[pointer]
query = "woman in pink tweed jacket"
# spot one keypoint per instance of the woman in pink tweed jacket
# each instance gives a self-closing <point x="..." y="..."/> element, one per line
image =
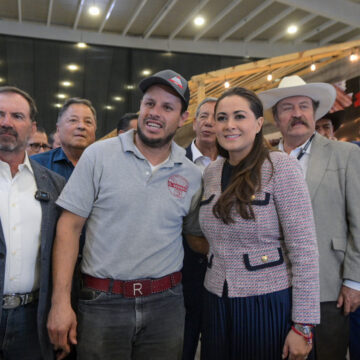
<point x="262" y="281"/>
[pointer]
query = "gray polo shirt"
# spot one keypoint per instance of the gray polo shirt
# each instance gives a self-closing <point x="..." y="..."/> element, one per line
<point x="135" y="217"/>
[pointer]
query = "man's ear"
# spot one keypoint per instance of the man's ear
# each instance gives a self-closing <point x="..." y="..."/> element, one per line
<point x="183" y="117"/>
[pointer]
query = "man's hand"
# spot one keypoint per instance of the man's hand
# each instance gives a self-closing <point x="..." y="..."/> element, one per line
<point x="61" y="326"/>
<point x="349" y="298"/>
<point x="295" y="347"/>
<point x="197" y="244"/>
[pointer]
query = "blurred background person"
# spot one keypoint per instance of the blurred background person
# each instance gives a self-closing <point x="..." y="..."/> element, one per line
<point x="201" y="151"/>
<point x="38" y="142"/>
<point x="54" y="140"/>
<point x="127" y="122"/>
<point x="329" y="123"/>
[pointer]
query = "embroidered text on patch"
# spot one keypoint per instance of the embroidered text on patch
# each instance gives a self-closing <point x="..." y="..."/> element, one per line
<point x="178" y="186"/>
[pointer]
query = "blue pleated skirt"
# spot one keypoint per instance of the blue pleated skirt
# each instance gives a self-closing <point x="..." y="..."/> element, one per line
<point x="250" y="328"/>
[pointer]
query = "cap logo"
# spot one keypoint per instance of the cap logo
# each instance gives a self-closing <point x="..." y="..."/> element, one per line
<point x="176" y="80"/>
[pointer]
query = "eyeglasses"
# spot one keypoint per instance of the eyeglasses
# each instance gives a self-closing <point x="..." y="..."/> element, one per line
<point x="37" y="146"/>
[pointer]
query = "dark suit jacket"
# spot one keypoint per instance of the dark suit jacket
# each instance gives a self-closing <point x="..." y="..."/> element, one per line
<point x="52" y="183"/>
<point x="194" y="266"/>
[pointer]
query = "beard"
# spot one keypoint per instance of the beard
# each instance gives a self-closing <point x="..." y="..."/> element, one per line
<point x="154" y="143"/>
<point x="8" y="144"/>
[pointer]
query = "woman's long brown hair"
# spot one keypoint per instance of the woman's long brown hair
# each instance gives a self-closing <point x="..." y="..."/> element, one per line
<point x="246" y="176"/>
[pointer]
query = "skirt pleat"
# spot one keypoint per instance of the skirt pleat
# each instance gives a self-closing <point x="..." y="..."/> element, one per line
<point x="250" y="328"/>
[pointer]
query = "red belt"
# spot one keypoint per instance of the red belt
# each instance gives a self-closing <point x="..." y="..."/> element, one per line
<point x="133" y="288"/>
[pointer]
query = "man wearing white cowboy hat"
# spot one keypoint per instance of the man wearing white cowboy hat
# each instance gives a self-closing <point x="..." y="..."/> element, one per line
<point x="331" y="169"/>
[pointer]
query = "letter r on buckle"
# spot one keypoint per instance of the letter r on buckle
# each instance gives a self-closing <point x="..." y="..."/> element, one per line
<point x="137" y="287"/>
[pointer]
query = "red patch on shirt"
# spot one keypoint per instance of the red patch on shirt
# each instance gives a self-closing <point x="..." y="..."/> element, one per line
<point x="178" y="186"/>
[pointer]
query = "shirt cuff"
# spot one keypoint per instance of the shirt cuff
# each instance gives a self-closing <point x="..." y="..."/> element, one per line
<point x="352" y="284"/>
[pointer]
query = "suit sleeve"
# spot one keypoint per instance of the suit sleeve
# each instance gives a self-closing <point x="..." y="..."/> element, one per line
<point x="352" y="189"/>
<point x="295" y="214"/>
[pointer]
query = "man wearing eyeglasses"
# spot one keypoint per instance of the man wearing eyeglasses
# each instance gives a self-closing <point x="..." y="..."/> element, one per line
<point x="38" y="142"/>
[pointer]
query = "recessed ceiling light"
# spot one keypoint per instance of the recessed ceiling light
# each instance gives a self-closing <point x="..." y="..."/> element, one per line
<point x="146" y="72"/>
<point x="61" y="96"/>
<point x="2" y="80"/>
<point x="66" y="83"/>
<point x="94" y="10"/>
<point x="81" y="45"/>
<point x="129" y="87"/>
<point x="199" y="21"/>
<point x="58" y="105"/>
<point x="109" y="107"/>
<point x="354" y="57"/>
<point x="118" y="98"/>
<point x="292" y="29"/>
<point x="226" y="84"/>
<point x="72" y="67"/>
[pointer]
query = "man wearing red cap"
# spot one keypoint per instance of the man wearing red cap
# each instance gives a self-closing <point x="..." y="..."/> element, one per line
<point x="137" y="193"/>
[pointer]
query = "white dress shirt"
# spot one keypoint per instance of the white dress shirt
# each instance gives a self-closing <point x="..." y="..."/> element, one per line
<point x="198" y="158"/>
<point x="20" y="215"/>
<point x="304" y="162"/>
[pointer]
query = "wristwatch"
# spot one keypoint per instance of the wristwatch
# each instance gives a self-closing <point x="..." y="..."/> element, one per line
<point x="305" y="330"/>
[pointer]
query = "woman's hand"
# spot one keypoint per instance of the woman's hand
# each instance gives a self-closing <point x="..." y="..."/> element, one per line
<point x="296" y="347"/>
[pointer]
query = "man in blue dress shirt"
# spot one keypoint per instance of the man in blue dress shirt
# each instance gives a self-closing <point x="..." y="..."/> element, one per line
<point x="76" y="126"/>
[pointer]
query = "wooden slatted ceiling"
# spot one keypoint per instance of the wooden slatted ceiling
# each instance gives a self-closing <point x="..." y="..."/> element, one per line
<point x="253" y="75"/>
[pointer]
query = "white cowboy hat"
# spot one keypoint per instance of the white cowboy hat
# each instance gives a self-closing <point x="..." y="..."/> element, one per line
<point x="294" y="85"/>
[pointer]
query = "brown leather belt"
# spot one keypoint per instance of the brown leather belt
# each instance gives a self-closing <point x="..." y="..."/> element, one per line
<point x="133" y="288"/>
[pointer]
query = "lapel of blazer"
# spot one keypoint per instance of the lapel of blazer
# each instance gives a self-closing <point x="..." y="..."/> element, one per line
<point x="42" y="184"/>
<point x="318" y="162"/>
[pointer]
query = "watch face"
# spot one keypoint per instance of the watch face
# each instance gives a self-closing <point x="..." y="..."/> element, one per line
<point x="306" y="330"/>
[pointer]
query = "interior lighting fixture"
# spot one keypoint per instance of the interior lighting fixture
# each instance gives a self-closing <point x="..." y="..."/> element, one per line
<point x="129" y="87"/>
<point x="81" y="45"/>
<point x="72" y="67"/>
<point x="226" y="84"/>
<point x="2" y="79"/>
<point x="292" y="29"/>
<point x="61" y="96"/>
<point x="354" y="57"/>
<point x="269" y="77"/>
<point x="313" y="67"/>
<point x="199" y="21"/>
<point x="66" y="83"/>
<point x="58" y="106"/>
<point x="118" y="98"/>
<point x="109" y="107"/>
<point x="146" y="72"/>
<point x="94" y="11"/>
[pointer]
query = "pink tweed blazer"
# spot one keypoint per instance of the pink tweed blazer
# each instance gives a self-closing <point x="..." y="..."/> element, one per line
<point x="273" y="252"/>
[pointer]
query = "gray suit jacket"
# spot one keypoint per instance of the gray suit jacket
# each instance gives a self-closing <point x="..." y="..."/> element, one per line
<point x="333" y="178"/>
<point x="52" y="183"/>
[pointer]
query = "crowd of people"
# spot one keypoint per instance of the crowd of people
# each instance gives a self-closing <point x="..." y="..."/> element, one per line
<point x="135" y="248"/>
